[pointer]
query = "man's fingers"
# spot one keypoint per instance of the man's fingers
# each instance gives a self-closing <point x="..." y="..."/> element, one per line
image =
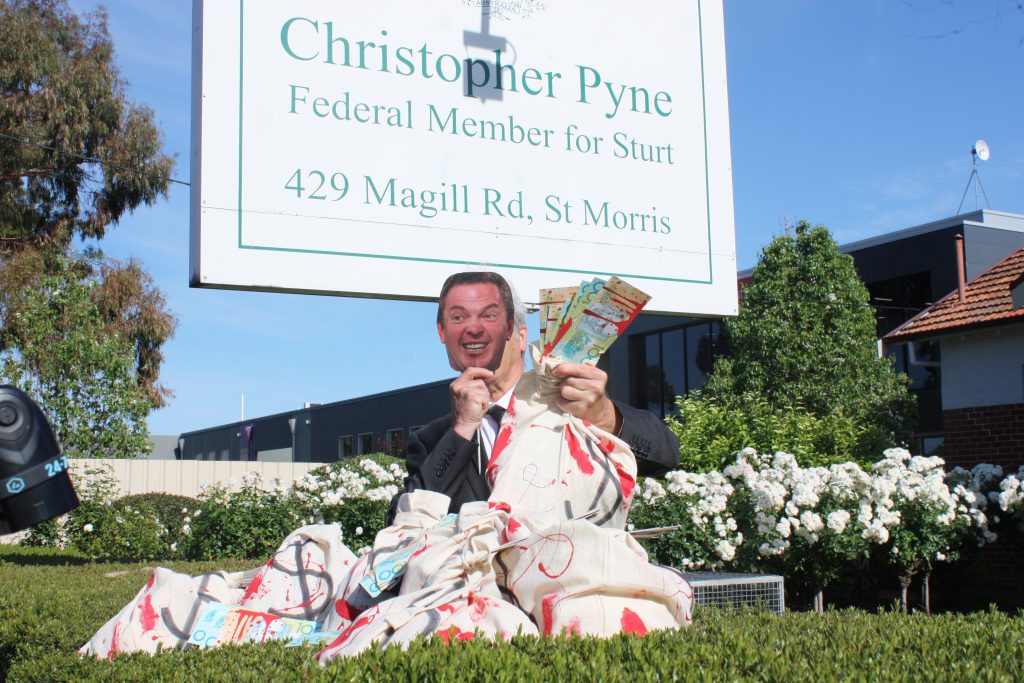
<point x="476" y="373"/>
<point x="582" y="384"/>
<point x="570" y="393"/>
<point x="571" y="407"/>
<point x="565" y="370"/>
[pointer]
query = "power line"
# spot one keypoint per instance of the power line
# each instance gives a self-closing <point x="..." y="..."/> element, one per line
<point x="91" y="160"/>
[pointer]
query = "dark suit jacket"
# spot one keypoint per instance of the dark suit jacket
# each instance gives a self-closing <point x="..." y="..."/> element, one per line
<point x="440" y="460"/>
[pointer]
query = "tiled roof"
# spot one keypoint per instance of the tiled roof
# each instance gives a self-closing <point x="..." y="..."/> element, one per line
<point x="987" y="301"/>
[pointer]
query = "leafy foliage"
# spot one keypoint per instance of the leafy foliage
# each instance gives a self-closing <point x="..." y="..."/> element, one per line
<point x="225" y="522"/>
<point x="50" y="606"/>
<point x="711" y="431"/>
<point x="56" y="345"/>
<point x="76" y="154"/>
<point x="146" y="526"/>
<point x="80" y="333"/>
<point x="690" y="547"/>
<point x="248" y="523"/>
<point x="805" y="339"/>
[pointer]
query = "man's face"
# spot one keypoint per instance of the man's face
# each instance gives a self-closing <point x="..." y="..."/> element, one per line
<point x="474" y="326"/>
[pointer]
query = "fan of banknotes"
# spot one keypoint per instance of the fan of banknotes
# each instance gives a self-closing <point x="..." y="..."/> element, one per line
<point x="578" y="324"/>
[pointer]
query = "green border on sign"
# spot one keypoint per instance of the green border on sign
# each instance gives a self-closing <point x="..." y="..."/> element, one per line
<point x="707" y="187"/>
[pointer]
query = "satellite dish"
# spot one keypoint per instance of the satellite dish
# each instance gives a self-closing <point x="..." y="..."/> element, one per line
<point x="981" y="149"/>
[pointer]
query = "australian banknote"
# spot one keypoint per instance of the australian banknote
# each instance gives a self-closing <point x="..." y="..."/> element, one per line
<point x="597" y="315"/>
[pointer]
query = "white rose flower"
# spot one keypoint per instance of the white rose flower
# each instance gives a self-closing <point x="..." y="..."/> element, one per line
<point x="725" y="550"/>
<point x="838" y="520"/>
<point x="87" y="528"/>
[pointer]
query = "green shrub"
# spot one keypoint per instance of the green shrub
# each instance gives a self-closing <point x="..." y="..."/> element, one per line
<point x="248" y="523"/>
<point x="712" y="431"/>
<point x="708" y="535"/>
<point x="353" y="493"/>
<point x="168" y="507"/>
<point x="48" y="610"/>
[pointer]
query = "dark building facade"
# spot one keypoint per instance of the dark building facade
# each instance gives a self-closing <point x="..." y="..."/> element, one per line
<point x="326" y="432"/>
<point x="660" y="357"/>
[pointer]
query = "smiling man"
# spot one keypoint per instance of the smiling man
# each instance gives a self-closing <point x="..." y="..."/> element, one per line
<point x="483" y="328"/>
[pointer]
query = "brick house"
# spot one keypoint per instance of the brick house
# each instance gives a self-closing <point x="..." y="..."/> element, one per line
<point x="980" y="330"/>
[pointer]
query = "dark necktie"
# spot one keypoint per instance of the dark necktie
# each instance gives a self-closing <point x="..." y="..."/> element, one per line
<point x="497" y="412"/>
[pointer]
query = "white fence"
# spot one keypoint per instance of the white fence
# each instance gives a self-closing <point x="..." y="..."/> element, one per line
<point x="185" y="477"/>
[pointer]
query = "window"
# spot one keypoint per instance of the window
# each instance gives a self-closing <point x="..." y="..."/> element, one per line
<point x="346" y="447"/>
<point x="672" y="362"/>
<point x="366" y="443"/>
<point x="932" y="445"/>
<point x="396" y="442"/>
<point x="919" y="360"/>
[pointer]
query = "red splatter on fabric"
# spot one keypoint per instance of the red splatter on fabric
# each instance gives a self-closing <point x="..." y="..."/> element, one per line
<point x="114" y="649"/>
<point x="345" y="610"/>
<point x="362" y="622"/>
<point x="574" y="628"/>
<point x="632" y="623"/>
<point x="511" y="410"/>
<point x="309" y="603"/>
<point x="478" y="605"/>
<point x="626" y="481"/>
<point x="496" y="505"/>
<point x="510" y="529"/>
<point x="551" y="544"/>
<point x="606" y="446"/>
<point x="500" y="443"/>
<point x="446" y="634"/>
<point x="148" y="616"/>
<point x="447" y="608"/>
<point x="309" y="561"/>
<point x="152" y="578"/>
<point x="578" y="454"/>
<point x="255" y="585"/>
<point x="547" y="606"/>
<point x="421" y="551"/>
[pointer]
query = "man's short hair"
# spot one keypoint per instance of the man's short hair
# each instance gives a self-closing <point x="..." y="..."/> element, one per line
<point x="479" y="278"/>
<point x="520" y="309"/>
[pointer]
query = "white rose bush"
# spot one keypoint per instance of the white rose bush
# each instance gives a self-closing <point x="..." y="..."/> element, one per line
<point x="763" y="513"/>
<point x="1009" y="496"/>
<point x="708" y="535"/>
<point x="766" y="513"/>
<point x="244" y="519"/>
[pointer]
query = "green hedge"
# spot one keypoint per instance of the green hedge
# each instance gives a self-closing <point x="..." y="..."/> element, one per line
<point x="51" y="603"/>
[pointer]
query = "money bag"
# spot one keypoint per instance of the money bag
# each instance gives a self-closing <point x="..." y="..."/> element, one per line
<point x="551" y="466"/>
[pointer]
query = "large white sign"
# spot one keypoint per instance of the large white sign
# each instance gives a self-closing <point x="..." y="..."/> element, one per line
<point x="373" y="148"/>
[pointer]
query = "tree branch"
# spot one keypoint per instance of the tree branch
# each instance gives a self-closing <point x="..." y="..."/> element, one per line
<point x="31" y="172"/>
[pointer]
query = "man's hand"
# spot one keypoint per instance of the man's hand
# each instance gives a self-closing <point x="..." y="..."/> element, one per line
<point x="470" y="399"/>
<point x="583" y="388"/>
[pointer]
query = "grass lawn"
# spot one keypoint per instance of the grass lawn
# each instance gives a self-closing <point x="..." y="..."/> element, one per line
<point x="52" y="602"/>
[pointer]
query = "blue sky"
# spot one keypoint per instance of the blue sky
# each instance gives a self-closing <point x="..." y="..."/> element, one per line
<point x="857" y="114"/>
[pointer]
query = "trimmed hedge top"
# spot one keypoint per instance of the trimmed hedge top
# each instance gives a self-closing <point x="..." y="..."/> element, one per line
<point x="50" y="605"/>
